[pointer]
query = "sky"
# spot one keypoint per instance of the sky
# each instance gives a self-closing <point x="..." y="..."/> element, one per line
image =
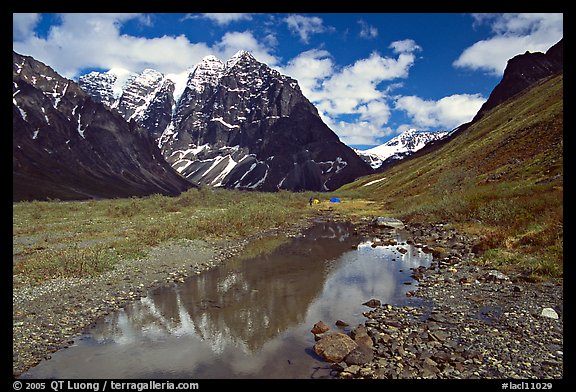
<point x="371" y="76"/>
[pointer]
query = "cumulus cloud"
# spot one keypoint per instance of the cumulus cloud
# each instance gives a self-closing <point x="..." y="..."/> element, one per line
<point x="377" y="112"/>
<point x="352" y="100"/>
<point x="357" y="132"/>
<point x="358" y="83"/>
<point x="447" y="113"/>
<point x="234" y="41"/>
<point x="222" y="18"/>
<point x="405" y="46"/>
<point x="305" y="26"/>
<point x="94" y="41"/>
<point x="310" y="68"/>
<point x="513" y="34"/>
<point x="23" y="25"/>
<point x="367" y="31"/>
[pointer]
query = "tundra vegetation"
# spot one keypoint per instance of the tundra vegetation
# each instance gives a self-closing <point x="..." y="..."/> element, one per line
<point x="81" y="238"/>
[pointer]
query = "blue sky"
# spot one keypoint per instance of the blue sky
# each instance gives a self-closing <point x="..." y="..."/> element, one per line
<point x="371" y="75"/>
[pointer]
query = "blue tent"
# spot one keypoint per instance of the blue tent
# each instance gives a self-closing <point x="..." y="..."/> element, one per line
<point x="334" y="200"/>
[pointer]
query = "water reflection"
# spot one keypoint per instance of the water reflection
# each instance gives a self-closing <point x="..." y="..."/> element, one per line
<point x="248" y="318"/>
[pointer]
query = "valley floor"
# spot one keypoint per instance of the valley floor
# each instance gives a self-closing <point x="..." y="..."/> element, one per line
<point x="470" y="322"/>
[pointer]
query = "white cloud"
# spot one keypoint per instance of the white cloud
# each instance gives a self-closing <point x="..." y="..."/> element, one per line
<point x="310" y="68"/>
<point x="405" y="46"/>
<point x="232" y="42"/>
<point x="271" y="40"/>
<point x="447" y="113"/>
<point x="377" y="112"/>
<point x="351" y="100"/>
<point x="367" y="31"/>
<point x="357" y="132"/>
<point x="513" y="34"/>
<point x="358" y="83"/>
<point x="305" y="26"/>
<point x="221" y="18"/>
<point x="23" y="25"/>
<point x="94" y="41"/>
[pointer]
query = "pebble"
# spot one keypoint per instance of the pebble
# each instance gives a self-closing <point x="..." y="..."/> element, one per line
<point x="550" y="313"/>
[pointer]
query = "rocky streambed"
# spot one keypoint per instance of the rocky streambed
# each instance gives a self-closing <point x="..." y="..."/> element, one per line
<point x="459" y="321"/>
<point x="464" y="321"/>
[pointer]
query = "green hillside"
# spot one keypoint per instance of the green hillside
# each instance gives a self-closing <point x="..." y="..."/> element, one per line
<point x="500" y="179"/>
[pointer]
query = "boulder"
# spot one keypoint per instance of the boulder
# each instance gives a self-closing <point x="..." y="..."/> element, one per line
<point x="361" y="337"/>
<point x="360" y="355"/>
<point x="341" y="324"/>
<point x="334" y="347"/>
<point x="384" y="221"/>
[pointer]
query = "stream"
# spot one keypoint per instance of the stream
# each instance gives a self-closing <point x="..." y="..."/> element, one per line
<point x="248" y="318"/>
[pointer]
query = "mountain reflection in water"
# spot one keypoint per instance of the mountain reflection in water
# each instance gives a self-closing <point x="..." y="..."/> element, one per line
<point x="249" y="318"/>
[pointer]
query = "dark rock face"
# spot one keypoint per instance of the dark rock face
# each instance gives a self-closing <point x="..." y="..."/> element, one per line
<point x="256" y="131"/>
<point x="240" y="124"/>
<point x="67" y="146"/>
<point x="523" y="71"/>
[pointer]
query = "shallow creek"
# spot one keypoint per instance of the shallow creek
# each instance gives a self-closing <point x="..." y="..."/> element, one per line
<point x="248" y="318"/>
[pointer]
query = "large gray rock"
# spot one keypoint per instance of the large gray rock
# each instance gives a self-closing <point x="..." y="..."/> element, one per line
<point x="392" y="223"/>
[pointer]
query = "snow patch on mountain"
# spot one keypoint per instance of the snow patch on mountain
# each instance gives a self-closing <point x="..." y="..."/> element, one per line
<point x="401" y="146"/>
<point x="180" y="81"/>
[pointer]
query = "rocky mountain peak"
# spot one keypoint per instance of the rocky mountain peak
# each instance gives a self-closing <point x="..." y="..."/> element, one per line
<point x="240" y="124"/>
<point x="207" y="72"/>
<point x="399" y="147"/>
<point x="242" y="56"/>
<point x="68" y="146"/>
<point x="522" y="71"/>
<point x="138" y="92"/>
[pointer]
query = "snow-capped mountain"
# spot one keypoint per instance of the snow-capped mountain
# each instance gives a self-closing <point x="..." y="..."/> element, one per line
<point x="67" y="146"/>
<point x="237" y="124"/>
<point x="101" y="86"/>
<point x="401" y="146"/>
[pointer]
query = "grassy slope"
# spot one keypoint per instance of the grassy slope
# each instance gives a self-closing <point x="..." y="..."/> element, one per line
<point x="501" y="179"/>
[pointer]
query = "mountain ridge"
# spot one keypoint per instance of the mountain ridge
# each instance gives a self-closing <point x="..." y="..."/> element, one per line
<point x="399" y="147"/>
<point x="241" y="124"/>
<point x="521" y="72"/>
<point x="67" y="146"/>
